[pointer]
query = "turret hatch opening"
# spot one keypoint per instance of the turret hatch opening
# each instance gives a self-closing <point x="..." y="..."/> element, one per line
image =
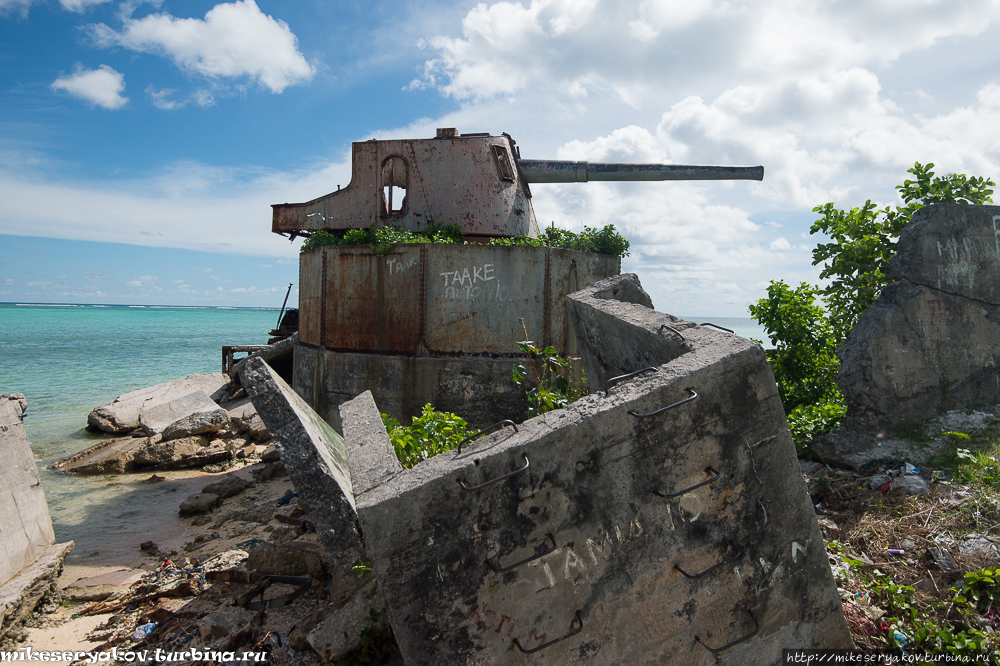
<point x="394" y="185"/>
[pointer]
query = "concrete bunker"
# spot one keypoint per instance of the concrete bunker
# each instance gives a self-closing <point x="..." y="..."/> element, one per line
<point x="660" y="518"/>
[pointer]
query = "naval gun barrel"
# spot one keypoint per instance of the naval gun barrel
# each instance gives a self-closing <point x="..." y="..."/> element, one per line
<point x="555" y="171"/>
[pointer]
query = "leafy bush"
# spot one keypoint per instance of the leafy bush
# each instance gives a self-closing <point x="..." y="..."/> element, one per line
<point x="807" y="324"/>
<point x="431" y="433"/>
<point x="384" y="239"/>
<point x="550" y="376"/>
<point x="602" y="241"/>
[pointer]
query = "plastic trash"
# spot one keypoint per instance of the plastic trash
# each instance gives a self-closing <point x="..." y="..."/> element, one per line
<point x="895" y="551"/>
<point x="282" y="501"/>
<point x="143" y="631"/>
<point x="911" y="485"/>
<point x="908" y="470"/>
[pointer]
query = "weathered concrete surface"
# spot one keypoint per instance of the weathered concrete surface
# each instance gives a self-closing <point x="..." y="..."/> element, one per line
<point x="931" y="342"/>
<point x="479" y="389"/>
<point x="29" y="560"/>
<point x="278" y="351"/>
<point x="122" y="415"/>
<point x="369" y="451"/>
<point x="619" y="331"/>
<point x="194" y="413"/>
<point x="316" y="460"/>
<point x="25" y="526"/>
<point x="113" y="456"/>
<point x="98" y="588"/>
<point x="340" y="632"/>
<point x="610" y="567"/>
<point x="147" y="454"/>
<point x="20" y="595"/>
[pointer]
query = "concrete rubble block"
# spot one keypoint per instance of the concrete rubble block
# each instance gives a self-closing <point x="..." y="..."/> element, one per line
<point x="339" y="633"/>
<point x="316" y="460"/>
<point x="25" y="525"/>
<point x="182" y="453"/>
<point x="621" y="336"/>
<point x="562" y="544"/>
<point x="113" y="456"/>
<point x="286" y="559"/>
<point x="122" y="415"/>
<point x="199" y="503"/>
<point x="931" y="342"/>
<point x="99" y="588"/>
<point x="227" y="487"/>
<point x="369" y="451"/>
<point x="29" y="560"/>
<point x="240" y="413"/>
<point x="194" y="413"/>
<point x="223" y="622"/>
<point x="256" y="430"/>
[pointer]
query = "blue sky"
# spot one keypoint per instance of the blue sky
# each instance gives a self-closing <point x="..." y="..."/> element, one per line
<point x="142" y="143"/>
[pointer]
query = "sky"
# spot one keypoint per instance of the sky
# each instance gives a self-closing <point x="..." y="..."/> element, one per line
<point x="143" y="142"/>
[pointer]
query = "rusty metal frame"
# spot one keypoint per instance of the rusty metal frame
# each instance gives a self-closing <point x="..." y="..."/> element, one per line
<point x="227" y="354"/>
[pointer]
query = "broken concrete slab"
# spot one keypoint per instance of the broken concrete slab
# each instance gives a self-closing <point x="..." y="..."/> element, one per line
<point x="931" y="342"/>
<point x="286" y="559"/>
<point x="24" y="516"/>
<point x="112" y="456"/>
<point x="316" y="460"/>
<point x="21" y="595"/>
<point x="642" y="525"/>
<point x="340" y="633"/>
<point x="280" y="350"/>
<point x="369" y="451"/>
<point x="183" y="415"/>
<point x="227" y="487"/>
<point x="30" y="561"/>
<point x="122" y="415"/>
<point x="99" y="588"/>
<point x="182" y="453"/>
<point x="199" y="503"/>
<point x="611" y="346"/>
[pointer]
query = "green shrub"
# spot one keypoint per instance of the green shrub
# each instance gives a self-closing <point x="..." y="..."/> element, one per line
<point x="431" y="433"/>
<point x="384" y="239"/>
<point x="602" y="241"/>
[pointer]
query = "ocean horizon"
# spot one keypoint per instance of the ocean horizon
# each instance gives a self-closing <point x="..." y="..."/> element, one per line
<point x="68" y="358"/>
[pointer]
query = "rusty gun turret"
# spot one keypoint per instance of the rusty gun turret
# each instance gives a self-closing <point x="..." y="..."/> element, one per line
<point x="477" y="181"/>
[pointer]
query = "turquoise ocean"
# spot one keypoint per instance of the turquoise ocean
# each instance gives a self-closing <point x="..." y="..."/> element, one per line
<point x="68" y="359"/>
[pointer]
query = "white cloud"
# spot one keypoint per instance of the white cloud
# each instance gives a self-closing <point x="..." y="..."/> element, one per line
<point x="233" y="40"/>
<point x="11" y="6"/>
<point x="102" y="87"/>
<point x="79" y="6"/>
<point x="143" y="281"/>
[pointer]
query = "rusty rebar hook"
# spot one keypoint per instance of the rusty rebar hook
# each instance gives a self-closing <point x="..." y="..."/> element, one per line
<point x="487" y="429"/>
<point x="527" y="464"/>
<point x="756" y="628"/>
<point x="660" y="411"/>
<point x="721" y="328"/>
<point x="738" y="555"/>
<point x="548" y="537"/>
<point x="572" y="632"/>
<point x="615" y="380"/>
<point x="708" y="470"/>
<point x="671" y="328"/>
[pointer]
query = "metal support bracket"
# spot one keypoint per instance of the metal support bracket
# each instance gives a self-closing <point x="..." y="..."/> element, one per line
<point x="671" y="328"/>
<point x="575" y="627"/>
